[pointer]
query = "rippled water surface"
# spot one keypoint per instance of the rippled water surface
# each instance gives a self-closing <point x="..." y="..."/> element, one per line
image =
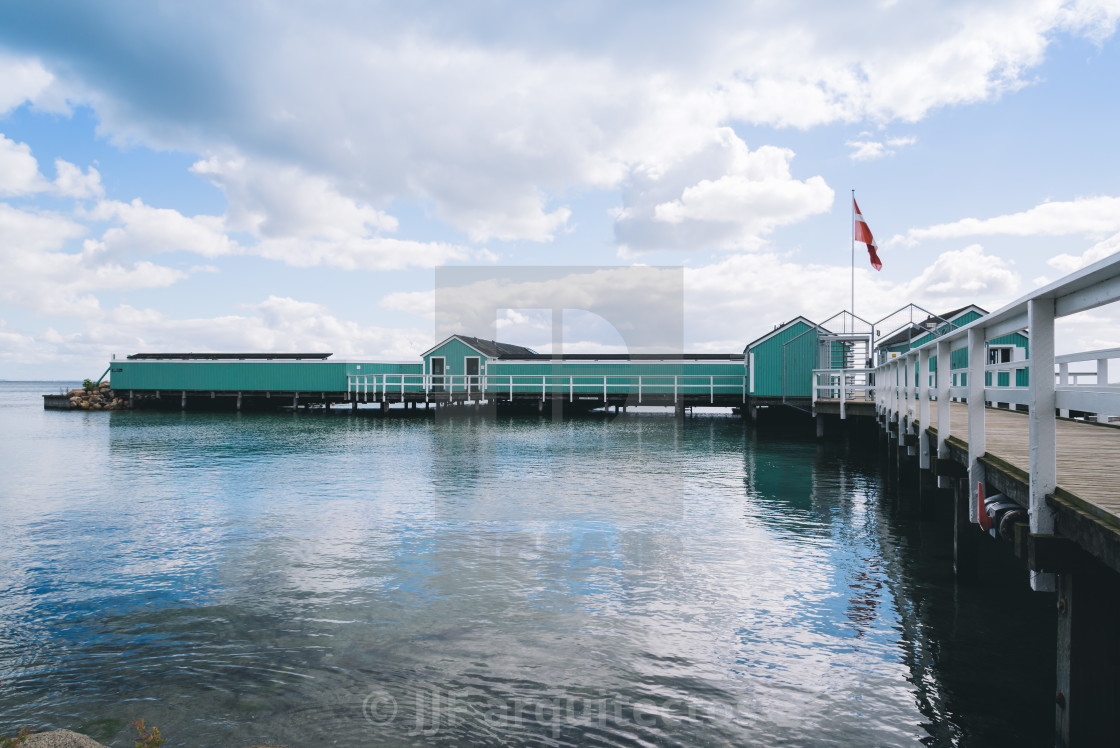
<point x="313" y="579"/>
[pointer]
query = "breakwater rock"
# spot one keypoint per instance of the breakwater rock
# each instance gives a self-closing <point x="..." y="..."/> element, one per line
<point x="100" y="397"/>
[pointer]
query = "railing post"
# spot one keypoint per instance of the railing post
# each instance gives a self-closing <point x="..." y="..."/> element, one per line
<point x="843" y="394"/>
<point x="1102" y="381"/>
<point x="571" y="388"/>
<point x="895" y="394"/>
<point x="1043" y="427"/>
<point x="639" y="389"/>
<point x="712" y="382"/>
<point x="976" y="434"/>
<point x="923" y="407"/>
<point x="1063" y="379"/>
<point x="944" y="412"/>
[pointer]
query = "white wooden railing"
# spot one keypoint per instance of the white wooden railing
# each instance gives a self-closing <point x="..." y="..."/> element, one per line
<point x="904" y="402"/>
<point x="843" y="385"/>
<point x="383" y="387"/>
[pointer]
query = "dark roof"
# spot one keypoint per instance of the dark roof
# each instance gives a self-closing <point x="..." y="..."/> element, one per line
<point x="902" y="336"/>
<point x="229" y="356"/>
<point x="928" y="325"/>
<point x="494" y="349"/>
<point x="629" y="357"/>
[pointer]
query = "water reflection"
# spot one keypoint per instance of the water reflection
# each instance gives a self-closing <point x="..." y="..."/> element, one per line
<point x="242" y="579"/>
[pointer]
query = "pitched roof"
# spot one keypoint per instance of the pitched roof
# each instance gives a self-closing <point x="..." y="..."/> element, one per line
<point x="489" y="348"/>
<point x="926" y="326"/>
<point x="777" y="330"/>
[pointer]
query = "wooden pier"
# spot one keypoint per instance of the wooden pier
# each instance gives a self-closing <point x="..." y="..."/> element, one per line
<point x="1047" y="486"/>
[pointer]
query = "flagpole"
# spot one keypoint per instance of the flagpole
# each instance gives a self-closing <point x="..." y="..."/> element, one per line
<point x="852" y="234"/>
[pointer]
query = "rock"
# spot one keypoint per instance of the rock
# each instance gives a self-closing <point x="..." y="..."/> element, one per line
<point x="75" y="402"/>
<point x="60" y="739"/>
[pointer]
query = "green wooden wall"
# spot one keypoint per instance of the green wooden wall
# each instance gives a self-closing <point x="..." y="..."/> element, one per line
<point x="800" y="360"/>
<point x="247" y="376"/>
<point x="693" y="377"/>
<point x="454" y="352"/>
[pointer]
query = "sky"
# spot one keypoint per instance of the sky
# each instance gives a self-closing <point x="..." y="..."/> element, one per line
<point x="296" y="176"/>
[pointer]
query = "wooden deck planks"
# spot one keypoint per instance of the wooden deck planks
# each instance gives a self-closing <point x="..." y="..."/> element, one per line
<point x="1088" y="453"/>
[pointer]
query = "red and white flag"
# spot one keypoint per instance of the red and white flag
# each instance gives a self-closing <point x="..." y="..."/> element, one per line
<point x="863" y="234"/>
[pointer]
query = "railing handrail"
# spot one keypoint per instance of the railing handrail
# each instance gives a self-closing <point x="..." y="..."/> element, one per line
<point x="897" y="399"/>
<point x="383" y="383"/>
<point x="1069" y="358"/>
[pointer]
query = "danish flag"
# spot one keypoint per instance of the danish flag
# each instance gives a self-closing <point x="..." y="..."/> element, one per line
<point x="863" y="234"/>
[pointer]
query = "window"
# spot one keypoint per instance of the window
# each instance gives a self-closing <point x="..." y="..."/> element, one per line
<point x="1000" y="354"/>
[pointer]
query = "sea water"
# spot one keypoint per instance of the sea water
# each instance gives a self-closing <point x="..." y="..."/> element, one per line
<point x="344" y="579"/>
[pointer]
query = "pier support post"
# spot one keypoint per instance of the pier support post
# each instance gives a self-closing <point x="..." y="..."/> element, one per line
<point x="354" y="406"/>
<point x="820" y="425"/>
<point x="183" y="401"/>
<point x="678" y="410"/>
<point x="1088" y="683"/>
<point x="928" y="494"/>
<point x="239" y="401"/>
<point x="130" y="399"/>
<point x="964" y="536"/>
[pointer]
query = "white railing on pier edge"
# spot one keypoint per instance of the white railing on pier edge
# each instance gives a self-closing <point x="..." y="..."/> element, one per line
<point x="383" y="387"/>
<point x="1099" y="375"/>
<point x="904" y="402"/>
<point x="843" y="385"/>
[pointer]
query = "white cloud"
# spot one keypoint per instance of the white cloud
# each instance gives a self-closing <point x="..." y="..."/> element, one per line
<point x="42" y="277"/>
<point x="967" y="275"/>
<point x="1084" y="215"/>
<point x="21" y="80"/>
<point x="274" y="324"/>
<point x="372" y="253"/>
<point x="743" y="296"/>
<point x="725" y="304"/>
<point x="491" y="118"/>
<point x="1067" y="263"/>
<point x="283" y="201"/>
<point x="303" y="220"/>
<point x="145" y="230"/>
<point x="1095" y="330"/>
<point x="725" y="196"/>
<point x="19" y="171"/>
<point x="869" y="150"/>
<point x="71" y="182"/>
<point x="644" y="303"/>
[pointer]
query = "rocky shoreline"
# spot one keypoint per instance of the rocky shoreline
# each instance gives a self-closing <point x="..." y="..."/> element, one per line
<point x="101" y="397"/>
